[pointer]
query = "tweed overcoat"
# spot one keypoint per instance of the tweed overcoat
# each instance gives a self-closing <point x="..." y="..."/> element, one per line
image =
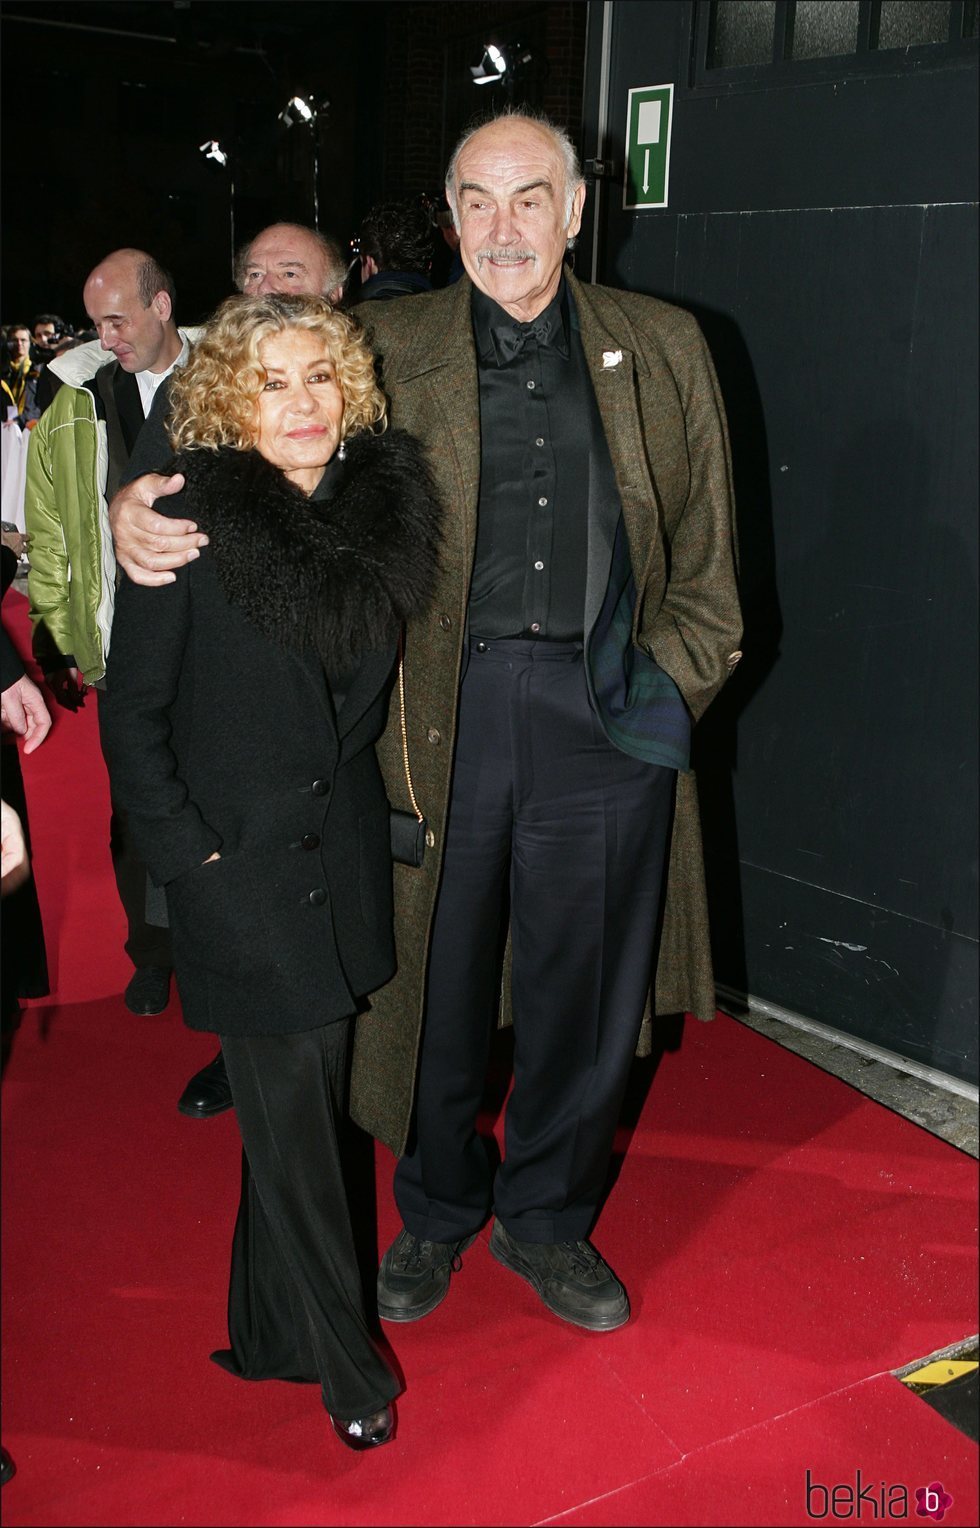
<point x="662" y="414"/>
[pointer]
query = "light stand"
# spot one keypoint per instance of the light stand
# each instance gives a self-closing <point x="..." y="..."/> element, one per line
<point x="216" y="155"/>
<point x="305" y="111"/>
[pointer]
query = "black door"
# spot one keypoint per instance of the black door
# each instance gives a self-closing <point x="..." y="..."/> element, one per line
<point x="822" y="226"/>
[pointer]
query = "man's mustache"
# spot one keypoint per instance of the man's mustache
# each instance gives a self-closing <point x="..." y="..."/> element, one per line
<point x="504" y="256"/>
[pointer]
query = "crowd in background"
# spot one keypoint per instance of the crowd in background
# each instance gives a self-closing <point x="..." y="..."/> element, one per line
<point x="410" y="243"/>
<point x="401" y="247"/>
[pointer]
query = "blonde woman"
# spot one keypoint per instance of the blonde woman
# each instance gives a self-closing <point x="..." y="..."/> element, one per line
<point x="244" y="701"/>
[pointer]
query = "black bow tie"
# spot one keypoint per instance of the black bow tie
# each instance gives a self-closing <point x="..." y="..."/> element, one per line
<point x="511" y="339"/>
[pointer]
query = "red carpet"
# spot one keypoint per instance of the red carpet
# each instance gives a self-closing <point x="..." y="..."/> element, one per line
<point x="786" y="1243"/>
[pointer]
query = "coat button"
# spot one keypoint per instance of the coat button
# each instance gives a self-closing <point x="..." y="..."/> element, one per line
<point x="320" y="787"/>
<point x="434" y="735"/>
<point x="446" y="623"/>
<point x="310" y="841"/>
<point x="430" y="838"/>
<point x="317" y="896"/>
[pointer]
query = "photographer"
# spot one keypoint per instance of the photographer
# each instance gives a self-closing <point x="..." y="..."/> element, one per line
<point x="19" y="378"/>
<point x="48" y="333"/>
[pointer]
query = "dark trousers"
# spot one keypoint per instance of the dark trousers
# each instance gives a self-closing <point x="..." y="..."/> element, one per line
<point x="23" y="957"/>
<point x="146" y="944"/>
<point x="295" y="1304"/>
<point x="544" y="808"/>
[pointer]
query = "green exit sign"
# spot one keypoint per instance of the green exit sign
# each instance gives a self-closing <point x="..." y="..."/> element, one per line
<point x="649" y="118"/>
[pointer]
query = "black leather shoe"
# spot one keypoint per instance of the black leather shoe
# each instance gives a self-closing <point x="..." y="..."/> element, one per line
<point x="148" y="990"/>
<point x="7" y="1467"/>
<point x="367" y="1432"/>
<point x="208" y="1092"/>
<point x="570" y="1277"/>
<point x="414" y="1275"/>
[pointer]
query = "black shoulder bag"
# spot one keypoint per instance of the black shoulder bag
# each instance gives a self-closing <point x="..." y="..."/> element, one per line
<point x="408" y="829"/>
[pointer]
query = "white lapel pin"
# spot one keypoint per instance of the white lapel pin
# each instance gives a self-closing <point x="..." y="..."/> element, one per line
<point x="611" y="358"/>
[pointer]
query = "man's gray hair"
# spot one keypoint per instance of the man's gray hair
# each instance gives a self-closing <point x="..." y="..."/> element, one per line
<point x="563" y="143"/>
<point x="329" y="248"/>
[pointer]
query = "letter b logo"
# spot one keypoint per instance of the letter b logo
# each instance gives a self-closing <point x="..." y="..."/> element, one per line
<point x="817" y="1498"/>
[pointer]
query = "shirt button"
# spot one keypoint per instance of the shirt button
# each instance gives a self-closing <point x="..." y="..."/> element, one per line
<point x="539" y="441"/>
<point x="542" y="502"/>
<point x="310" y="841"/>
<point x="434" y="735"/>
<point x="535" y="625"/>
<point x="530" y="387"/>
<point x="539" y="566"/>
<point x="317" y="896"/>
<point x="320" y="787"/>
<point x="445" y="623"/>
<point x="481" y="647"/>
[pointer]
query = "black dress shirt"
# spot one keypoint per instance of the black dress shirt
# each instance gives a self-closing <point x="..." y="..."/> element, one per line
<point x="538" y="423"/>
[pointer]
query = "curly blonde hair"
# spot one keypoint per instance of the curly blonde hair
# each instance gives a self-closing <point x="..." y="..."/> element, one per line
<point x="215" y="395"/>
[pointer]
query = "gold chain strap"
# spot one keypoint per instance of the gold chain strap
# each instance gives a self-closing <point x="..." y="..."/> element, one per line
<point x="401" y="698"/>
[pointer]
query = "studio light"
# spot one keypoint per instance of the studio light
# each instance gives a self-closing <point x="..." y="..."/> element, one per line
<point x="307" y="111"/>
<point x="217" y="156"/>
<point x="300" y="110"/>
<point x="213" y="150"/>
<point x="501" y="66"/>
<point x="492" y="66"/>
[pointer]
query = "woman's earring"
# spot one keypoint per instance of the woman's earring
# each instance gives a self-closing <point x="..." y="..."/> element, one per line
<point x="342" y="451"/>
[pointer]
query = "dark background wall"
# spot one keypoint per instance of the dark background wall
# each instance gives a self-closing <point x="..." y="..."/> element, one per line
<point x="105" y="105"/>
<point x="822" y="226"/>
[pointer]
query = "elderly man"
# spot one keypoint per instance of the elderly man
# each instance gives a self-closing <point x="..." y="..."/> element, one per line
<point x="587" y="614"/>
<point x="287" y="257"/>
<point x="77" y="459"/>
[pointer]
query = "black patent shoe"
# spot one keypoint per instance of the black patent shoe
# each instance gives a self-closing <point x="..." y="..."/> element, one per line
<point x="208" y="1092"/>
<point x="366" y="1432"/>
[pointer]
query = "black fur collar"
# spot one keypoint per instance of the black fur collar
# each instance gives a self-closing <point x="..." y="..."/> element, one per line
<point x="339" y="575"/>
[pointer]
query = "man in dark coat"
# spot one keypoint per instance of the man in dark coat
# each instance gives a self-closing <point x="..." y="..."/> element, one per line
<point x="396" y="252"/>
<point x="77" y="459"/>
<point x="585" y="616"/>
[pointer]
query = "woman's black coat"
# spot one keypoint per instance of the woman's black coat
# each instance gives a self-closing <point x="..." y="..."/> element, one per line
<point x="222" y="734"/>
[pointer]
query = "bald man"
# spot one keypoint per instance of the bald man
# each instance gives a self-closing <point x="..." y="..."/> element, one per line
<point x="78" y="456"/>
<point x="286" y="257"/>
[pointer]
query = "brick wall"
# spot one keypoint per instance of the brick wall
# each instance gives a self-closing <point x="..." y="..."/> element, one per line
<point x="429" y="96"/>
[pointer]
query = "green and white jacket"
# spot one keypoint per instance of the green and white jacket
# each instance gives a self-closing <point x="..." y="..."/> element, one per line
<point x="72" y="578"/>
